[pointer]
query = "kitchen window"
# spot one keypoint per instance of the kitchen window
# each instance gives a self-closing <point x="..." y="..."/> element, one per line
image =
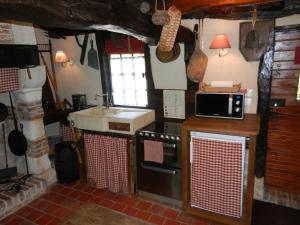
<point x="128" y="80"/>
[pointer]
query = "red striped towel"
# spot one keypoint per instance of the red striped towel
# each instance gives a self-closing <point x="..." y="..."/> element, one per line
<point x="153" y="151"/>
<point x="297" y="55"/>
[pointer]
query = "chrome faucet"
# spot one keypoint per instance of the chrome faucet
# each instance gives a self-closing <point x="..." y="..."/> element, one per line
<point x="107" y="96"/>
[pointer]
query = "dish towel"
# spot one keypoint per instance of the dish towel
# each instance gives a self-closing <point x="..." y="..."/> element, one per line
<point x="9" y="79"/>
<point x="217" y="164"/>
<point x="153" y="151"/>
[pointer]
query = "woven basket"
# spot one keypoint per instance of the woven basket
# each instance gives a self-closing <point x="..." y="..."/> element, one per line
<point x="161" y="17"/>
<point x="208" y="88"/>
<point x="169" y="31"/>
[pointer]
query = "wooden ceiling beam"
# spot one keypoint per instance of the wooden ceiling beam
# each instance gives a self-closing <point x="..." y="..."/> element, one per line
<point x="188" y="6"/>
<point x="111" y="15"/>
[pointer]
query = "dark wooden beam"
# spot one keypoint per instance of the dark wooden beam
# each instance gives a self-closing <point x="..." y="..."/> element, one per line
<point x="77" y="16"/>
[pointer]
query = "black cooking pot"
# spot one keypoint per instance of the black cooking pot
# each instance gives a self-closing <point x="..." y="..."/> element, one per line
<point x="3" y="112"/>
<point x="16" y="139"/>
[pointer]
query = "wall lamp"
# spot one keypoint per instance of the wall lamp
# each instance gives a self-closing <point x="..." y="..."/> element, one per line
<point x="61" y="57"/>
<point x="221" y="43"/>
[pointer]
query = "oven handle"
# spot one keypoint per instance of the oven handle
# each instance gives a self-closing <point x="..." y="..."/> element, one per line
<point x="162" y="170"/>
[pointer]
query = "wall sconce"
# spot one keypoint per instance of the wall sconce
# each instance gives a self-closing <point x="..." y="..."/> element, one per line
<point x="61" y="57"/>
<point x="220" y="42"/>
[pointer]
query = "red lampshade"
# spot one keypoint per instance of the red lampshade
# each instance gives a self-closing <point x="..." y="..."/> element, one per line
<point x="220" y="41"/>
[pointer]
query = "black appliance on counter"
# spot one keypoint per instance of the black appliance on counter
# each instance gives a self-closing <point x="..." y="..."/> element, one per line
<point x="161" y="179"/>
<point x="79" y="102"/>
<point x="220" y="105"/>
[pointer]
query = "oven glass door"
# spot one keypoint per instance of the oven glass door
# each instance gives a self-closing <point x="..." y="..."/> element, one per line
<point x="159" y="180"/>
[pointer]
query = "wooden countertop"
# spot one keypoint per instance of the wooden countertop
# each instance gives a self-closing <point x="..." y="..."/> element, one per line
<point x="248" y="126"/>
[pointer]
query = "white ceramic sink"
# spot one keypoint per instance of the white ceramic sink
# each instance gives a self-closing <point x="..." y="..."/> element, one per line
<point x="112" y="119"/>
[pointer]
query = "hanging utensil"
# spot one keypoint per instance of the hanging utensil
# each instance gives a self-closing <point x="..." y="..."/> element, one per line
<point x="7" y="172"/>
<point x="252" y="39"/>
<point x="198" y="62"/>
<point x="16" y="139"/>
<point x="93" y="57"/>
<point x="82" y="46"/>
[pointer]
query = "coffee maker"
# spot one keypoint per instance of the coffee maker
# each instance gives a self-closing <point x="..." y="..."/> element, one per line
<point x="79" y="102"/>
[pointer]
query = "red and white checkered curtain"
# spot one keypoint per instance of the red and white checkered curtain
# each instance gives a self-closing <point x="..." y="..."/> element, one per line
<point x="66" y="133"/>
<point x="9" y="79"/>
<point x="217" y="163"/>
<point x="107" y="162"/>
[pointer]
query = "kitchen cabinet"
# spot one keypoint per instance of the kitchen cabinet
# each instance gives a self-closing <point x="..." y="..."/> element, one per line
<point x="218" y="168"/>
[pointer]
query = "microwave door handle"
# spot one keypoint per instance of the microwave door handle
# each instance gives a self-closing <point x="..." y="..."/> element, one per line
<point x="158" y="169"/>
<point x="230" y="105"/>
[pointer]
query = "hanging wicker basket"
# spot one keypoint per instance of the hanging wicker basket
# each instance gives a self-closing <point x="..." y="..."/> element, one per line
<point x="169" y="31"/>
<point x="160" y="17"/>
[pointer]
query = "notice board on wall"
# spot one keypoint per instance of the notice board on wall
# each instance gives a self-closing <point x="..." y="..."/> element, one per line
<point x="174" y="104"/>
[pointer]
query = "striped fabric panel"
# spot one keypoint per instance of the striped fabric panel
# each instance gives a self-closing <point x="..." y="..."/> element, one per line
<point x="107" y="162"/>
<point x="9" y="79"/>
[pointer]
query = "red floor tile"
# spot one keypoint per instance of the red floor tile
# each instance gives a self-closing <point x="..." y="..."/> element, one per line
<point x="80" y="186"/>
<point x="171" y="222"/>
<point x="118" y="207"/>
<point x="44" y="219"/>
<point x="184" y="218"/>
<point x="107" y="203"/>
<point x="54" y="221"/>
<point x="42" y="204"/>
<point x="34" y="215"/>
<point x="170" y="213"/>
<point x="84" y="197"/>
<point x="144" y="205"/>
<point x="132" y="202"/>
<point x="157" y="209"/>
<point x="89" y="189"/>
<point x="8" y="218"/>
<point x="55" y="205"/>
<point x="121" y="198"/>
<point x="130" y="211"/>
<point x="61" y="212"/>
<point x="25" y="211"/>
<point x="143" y="215"/>
<point x="50" y="208"/>
<point x="15" y="221"/>
<point x="156" y="219"/>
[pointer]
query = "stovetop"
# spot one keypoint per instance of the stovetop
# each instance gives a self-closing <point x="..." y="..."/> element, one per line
<point x="162" y="130"/>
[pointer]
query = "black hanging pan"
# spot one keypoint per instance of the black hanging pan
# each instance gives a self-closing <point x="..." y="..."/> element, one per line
<point x="3" y="112"/>
<point x="16" y="139"/>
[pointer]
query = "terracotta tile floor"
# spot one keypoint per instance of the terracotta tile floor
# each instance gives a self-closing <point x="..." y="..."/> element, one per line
<point x="60" y="200"/>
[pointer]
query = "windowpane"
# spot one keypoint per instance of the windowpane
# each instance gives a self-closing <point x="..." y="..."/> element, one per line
<point x="115" y="66"/>
<point x="128" y="80"/>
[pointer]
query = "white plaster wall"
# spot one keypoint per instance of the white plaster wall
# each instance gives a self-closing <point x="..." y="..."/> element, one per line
<point x="233" y="66"/>
<point x="288" y="20"/>
<point x="77" y="79"/>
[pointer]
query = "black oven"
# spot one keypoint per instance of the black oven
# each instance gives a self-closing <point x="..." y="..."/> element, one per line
<point x="163" y="179"/>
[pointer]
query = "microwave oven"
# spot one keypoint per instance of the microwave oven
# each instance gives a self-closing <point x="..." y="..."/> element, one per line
<point x="220" y="105"/>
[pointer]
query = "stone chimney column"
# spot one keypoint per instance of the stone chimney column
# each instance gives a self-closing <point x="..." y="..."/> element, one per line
<point x="28" y="103"/>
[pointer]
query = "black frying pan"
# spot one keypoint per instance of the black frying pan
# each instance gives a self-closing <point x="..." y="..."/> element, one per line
<point x="3" y="112"/>
<point x="16" y="139"/>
